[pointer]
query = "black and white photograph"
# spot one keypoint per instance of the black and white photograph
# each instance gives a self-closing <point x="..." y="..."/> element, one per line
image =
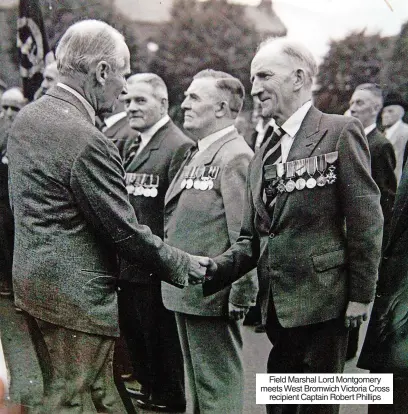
<point x="204" y="206"/>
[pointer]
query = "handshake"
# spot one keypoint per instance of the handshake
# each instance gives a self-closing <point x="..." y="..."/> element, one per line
<point x="201" y="268"/>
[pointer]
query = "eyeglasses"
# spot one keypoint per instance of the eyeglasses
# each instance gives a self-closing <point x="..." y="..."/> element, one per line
<point x="13" y="108"/>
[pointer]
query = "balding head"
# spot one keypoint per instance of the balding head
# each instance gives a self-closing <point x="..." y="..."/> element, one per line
<point x="87" y="43"/>
<point x="366" y="103"/>
<point x="12" y="101"/>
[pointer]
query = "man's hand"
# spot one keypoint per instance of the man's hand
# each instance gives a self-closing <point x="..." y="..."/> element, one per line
<point x="236" y="312"/>
<point x="356" y="313"/>
<point x="198" y="269"/>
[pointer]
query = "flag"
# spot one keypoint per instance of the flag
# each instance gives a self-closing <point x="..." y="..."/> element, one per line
<point x="32" y="46"/>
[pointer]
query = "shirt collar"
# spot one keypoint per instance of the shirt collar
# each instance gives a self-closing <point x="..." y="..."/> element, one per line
<point x="389" y="131"/>
<point x="111" y="120"/>
<point x="260" y="127"/>
<point x="84" y="102"/>
<point x="148" y="134"/>
<point x="205" y="142"/>
<point x="370" y="128"/>
<point x="292" y="125"/>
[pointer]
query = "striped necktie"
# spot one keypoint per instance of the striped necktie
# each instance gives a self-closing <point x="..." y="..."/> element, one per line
<point x="273" y="156"/>
<point x="131" y="151"/>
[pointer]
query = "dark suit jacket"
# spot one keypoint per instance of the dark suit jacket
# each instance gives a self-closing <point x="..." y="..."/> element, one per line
<point x="207" y="223"/>
<point x="120" y="132"/>
<point x="162" y="157"/>
<point x="383" y="164"/>
<point x="322" y="246"/>
<point x="386" y="345"/>
<point x="72" y="217"/>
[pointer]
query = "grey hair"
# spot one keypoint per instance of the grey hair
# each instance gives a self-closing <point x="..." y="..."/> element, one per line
<point x="155" y="81"/>
<point x="298" y="53"/>
<point x="375" y="91"/>
<point x="88" y="42"/>
<point x="230" y="86"/>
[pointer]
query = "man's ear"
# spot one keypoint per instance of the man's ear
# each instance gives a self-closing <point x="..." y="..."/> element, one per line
<point x="300" y="79"/>
<point x="221" y="109"/>
<point x="102" y="71"/>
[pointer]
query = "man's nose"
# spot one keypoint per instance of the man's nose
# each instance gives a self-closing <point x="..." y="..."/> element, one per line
<point x="256" y="88"/>
<point x="185" y="104"/>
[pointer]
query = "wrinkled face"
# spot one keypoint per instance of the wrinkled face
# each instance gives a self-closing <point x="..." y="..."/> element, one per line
<point x="50" y="76"/>
<point x="113" y="84"/>
<point x="200" y="105"/>
<point x="143" y="108"/>
<point x="11" y="103"/>
<point x="272" y="82"/>
<point x="363" y="107"/>
<point x="391" y="114"/>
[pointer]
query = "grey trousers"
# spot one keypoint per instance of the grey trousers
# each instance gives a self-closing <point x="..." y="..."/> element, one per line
<point x="212" y="352"/>
<point x="77" y="370"/>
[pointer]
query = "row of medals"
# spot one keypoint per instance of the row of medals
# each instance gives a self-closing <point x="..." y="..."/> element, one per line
<point x="274" y="173"/>
<point x="145" y="185"/>
<point x="200" y="178"/>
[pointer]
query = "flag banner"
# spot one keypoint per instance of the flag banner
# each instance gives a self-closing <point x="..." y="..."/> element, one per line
<point x="32" y="44"/>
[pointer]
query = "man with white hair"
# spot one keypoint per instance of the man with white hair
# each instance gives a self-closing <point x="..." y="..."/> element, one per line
<point x="73" y="217"/>
<point x="312" y="223"/>
<point x="396" y="131"/>
<point x="11" y="102"/>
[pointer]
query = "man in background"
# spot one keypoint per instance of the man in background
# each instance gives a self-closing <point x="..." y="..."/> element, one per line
<point x="150" y="161"/>
<point x="395" y="130"/>
<point x="50" y="76"/>
<point x="11" y="102"/>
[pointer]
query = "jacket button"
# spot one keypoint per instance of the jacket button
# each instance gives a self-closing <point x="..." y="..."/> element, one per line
<point x="271" y="235"/>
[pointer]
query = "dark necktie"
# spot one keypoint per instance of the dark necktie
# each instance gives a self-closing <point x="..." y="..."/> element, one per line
<point x="131" y="151"/>
<point x="272" y="156"/>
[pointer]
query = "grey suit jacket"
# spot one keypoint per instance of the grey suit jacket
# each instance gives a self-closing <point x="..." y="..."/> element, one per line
<point x="322" y="246"/>
<point x="160" y="157"/>
<point x="207" y="223"/>
<point x="72" y="217"/>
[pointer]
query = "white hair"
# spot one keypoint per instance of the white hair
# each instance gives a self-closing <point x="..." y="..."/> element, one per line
<point x="298" y="53"/>
<point x="155" y="81"/>
<point x="88" y="42"/>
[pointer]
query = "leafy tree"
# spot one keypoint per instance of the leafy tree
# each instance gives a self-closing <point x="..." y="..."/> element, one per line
<point x="351" y="61"/>
<point x="396" y="73"/>
<point x="212" y="34"/>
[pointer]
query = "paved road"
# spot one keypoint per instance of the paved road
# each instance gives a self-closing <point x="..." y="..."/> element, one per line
<point x="26" y="386"/>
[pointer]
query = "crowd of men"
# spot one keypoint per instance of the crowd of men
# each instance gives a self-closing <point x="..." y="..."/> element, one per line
<point x="117" y="224"/>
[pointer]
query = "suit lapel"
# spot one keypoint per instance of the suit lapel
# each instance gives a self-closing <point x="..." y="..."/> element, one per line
<point x="205" y="158"/>
<point x="303" y="146"/>
<point x="144" y="155"/>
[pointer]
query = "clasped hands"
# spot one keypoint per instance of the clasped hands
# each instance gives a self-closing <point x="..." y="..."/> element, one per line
<point x="201" y="268"/>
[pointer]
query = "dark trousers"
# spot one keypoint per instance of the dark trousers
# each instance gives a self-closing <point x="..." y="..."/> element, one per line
<point x="314" y="349"/>
<point x="151" y="336"/>
<point x="76" y="369"/>
<point x="6" y="244"/>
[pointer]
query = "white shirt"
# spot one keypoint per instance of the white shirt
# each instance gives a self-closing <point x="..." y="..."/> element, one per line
<point x="84" y="102"/>
<point x="204" y="143"/>
<point x="148" y="134"/>
<point x="370" y="128"/>
<point x="291" y="127"/>
<point x="111" y="120"/>
<point x="389" y="132"/>
<point x="261" y="130"/>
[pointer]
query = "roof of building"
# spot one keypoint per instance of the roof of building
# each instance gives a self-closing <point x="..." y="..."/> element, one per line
<point x="159" y="11"/>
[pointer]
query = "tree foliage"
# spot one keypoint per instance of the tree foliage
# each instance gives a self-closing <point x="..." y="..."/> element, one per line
<point x="351" y="61"/>
<point x="212" y="34"/>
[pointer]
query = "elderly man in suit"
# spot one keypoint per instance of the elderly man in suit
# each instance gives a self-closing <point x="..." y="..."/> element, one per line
<point x="396" y="131"/>
<point x="312" y="222"/>
<point x="365" y="105"/>
<point x="72" y="217"/>
<point x="385" y="348"/>
<point x="202" y="216"/>
<point x="149" y="328"/>
<point x="11" y="102"/>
